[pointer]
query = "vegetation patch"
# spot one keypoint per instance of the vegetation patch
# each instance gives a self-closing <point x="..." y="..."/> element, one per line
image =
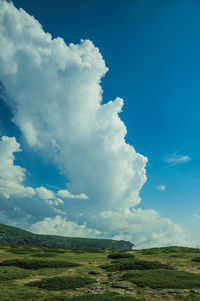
<point x="45" y="254"/>
<point x="173" y="249"/>
<point x="21" y="250"/>
<point x="196" y="259"/>
<point x="123" y="265"/>
<point x="164" y="279"/>
<point x="118" y="255"/>
<point x="37" y="264"/>
<point x="10" y="273"/>
<point x="104" y="297"/>
<point x="53" y="250"/>
<point x="87" y="250"/>
<point x="62" y="283"/>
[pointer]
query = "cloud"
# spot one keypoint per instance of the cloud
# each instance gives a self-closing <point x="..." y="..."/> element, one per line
<point x="60" y="225"/>
<point x="55" y="95"/>
<point x="67" y="194"/>
<point x="196" y="216"/>
<point x="146" y="229"/>
<point x="57" y="103"/>
<point x="175" y="159"/>
<point x="161" y="187"/>
<point x="12" y="176"/>
<point x="44" y="193"/>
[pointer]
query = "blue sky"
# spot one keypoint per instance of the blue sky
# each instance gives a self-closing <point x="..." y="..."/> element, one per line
<point x="152" y="51"/>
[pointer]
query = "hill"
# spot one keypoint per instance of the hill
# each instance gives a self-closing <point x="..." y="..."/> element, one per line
<point x="13" y="235"/>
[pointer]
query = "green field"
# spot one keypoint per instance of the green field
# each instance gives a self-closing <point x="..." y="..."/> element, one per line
<point x="38" y="273"/>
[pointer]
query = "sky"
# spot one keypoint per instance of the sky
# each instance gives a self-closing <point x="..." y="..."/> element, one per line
<point x="99" y="119"/>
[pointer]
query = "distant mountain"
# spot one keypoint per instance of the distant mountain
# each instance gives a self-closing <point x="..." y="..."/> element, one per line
<point x="13" y="235"/>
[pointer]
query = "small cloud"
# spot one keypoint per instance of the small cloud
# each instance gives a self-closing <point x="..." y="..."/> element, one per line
<point x="161" y="187"/>
<point x="175" y="159"/>
<point x="44" y="193"/>
<point x="64" y="193"/>
<point x="17" y="209"/>
<point x="196" y="216"/>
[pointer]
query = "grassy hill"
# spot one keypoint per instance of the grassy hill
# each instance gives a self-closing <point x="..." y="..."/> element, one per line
<point x="13" y="235"/>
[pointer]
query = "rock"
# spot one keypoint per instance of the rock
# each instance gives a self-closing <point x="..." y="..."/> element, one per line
<point x="123" y="284"/>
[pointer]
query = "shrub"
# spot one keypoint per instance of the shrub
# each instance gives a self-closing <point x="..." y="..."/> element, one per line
<point x="164" y="279"/>
<point x="134" y="265"/>
<point x="196" y="259"/>
<point x="62" y="283"/>
<point x="37" y="264"/>
<point x="9" y="273"/>
<point x="120" y="255"/>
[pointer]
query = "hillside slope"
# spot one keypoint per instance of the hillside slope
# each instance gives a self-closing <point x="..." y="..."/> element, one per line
<point x="13" y="235"/>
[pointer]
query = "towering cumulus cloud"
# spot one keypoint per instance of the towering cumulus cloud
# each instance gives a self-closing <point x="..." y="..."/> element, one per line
<point x="56" y="98"/>
<point x="57" y="101"/>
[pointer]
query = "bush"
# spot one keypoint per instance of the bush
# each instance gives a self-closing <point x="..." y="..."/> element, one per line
<point x="120" y="255"/>
<point x="62" y="283"/>
<point x="164" y="279"/>
<point x="134" y="265"/>
<point x="196" y="259"/>
<point x="37" y="264"/>
<point x="9" y="273"/>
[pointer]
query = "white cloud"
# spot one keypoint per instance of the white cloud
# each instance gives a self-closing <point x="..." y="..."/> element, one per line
<point x="196" y="216"/>
<point x="61" y="226"/>
<point x="57" y="103"/>
<point x="55" y="202"/>
<point x="12" y="176"/>
<point x="146" y="229"/>
<point x="175" y="159"/>
<point x="64" y="193"/>
<point x="44" y="193"/>
<point x="57" y="100"/>
<point x="161" y="187"/>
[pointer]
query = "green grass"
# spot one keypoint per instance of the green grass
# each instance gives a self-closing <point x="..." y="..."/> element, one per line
<point x="152" y="275"/>
<point x="87" y="250"/>
<point x="105" y="297"/>
<point x="127" y="264"/>
<point x="189" y="297"/>
<point x="45" y="254"/>
<point x="62" y="283"/>
<point x="10" y="273"/>
<point x="37" y="264"/>
<point x="164" y="279"/>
